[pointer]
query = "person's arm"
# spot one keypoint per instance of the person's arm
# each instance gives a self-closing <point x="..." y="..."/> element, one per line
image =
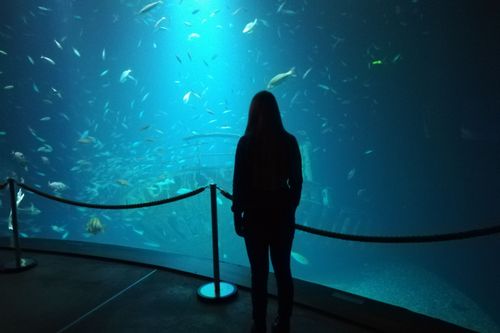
<point x="238" y="179"/>
<point x="239" y="188"/>
<point x="295" y="180"/>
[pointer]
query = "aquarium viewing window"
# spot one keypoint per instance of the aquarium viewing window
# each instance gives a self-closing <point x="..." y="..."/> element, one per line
<point x="393" y="104"/>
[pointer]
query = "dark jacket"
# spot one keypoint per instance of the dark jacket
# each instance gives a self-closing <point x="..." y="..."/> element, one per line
<point x="262" y="175"/>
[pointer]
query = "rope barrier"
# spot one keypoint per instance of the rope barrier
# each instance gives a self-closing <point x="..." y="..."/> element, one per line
<point x="392" y="239"/>
<point x="403" y="239"/>
<point x="97" y="206"/>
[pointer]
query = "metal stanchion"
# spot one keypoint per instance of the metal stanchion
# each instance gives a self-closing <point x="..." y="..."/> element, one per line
<point x="19" y="264"/>
<point x="216" y="291"/>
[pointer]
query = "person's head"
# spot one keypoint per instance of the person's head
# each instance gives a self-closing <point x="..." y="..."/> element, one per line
<point x="264" y="116"/>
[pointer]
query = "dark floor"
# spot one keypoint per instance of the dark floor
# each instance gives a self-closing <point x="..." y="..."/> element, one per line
<point x="74" y="294"/>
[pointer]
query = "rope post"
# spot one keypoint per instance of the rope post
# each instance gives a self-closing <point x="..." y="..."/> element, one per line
<point x="19" y="264"/>
<point x="216" y="291"/>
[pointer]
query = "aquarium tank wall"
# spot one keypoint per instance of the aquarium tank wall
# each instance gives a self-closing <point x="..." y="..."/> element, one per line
<point x="395" y="105"/>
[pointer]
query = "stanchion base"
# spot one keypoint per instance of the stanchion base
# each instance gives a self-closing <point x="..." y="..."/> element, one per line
<point x="11" y="266"/>
<point x="228" y="291"/>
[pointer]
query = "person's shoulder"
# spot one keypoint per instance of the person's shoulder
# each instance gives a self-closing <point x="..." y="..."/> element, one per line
<point x="290" y="138"/>
<point x="243" y="141"/>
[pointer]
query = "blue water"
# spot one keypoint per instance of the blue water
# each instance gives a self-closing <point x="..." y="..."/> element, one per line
<point x="394" y="103"/>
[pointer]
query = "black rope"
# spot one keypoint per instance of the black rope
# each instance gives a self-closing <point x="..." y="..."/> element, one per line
<point x="392" y="239"/>
<point x="403" y="239"/>
<point x="96" y="206"/>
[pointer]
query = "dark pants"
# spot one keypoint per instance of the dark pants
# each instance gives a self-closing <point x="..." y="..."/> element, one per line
<point x="272" y="233"/>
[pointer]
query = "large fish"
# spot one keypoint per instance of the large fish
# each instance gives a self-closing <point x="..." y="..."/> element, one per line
<point x="278" y="79"/>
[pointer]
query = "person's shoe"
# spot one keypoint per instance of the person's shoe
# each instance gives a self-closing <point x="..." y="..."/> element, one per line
<point x="258" y="327"/>
<point x="281" y="325"/>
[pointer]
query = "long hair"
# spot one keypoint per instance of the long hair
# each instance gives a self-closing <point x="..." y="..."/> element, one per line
<point x="266" y="134"/>
<point x="264" y="119"/>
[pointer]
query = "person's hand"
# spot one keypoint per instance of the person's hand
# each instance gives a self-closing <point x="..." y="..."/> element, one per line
<point x="238" y="224"/>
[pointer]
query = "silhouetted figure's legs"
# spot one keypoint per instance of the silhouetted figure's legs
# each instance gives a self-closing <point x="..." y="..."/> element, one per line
<point x="258" y="255"/>
<point x="281" y="247"/>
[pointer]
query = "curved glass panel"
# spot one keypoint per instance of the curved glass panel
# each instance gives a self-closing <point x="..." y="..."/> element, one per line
<point x="394" y="105"/>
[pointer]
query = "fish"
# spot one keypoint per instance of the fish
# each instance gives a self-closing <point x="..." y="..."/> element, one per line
<point x="47" y="59"/>
<point x="300" y="258"/>
<point x="104" y="72"/>
<point x="125" y="74"/>
<point x="58" y="186"/>
<point x="178" y="59"/>
<point x="149" y="6"/>
<point x="236" y="11"/>
<point x="122" y="182"/>
<point x="157" y="24"/>
<point x="307" y="73"/>
<point x="58" y="44"/>
<point x="351" y="174"/>
<point x="45" y="119"/>
<point x="193" y="35"/>
<point x="281" y="7"/>
<point x="44" y="9"/>
<point x="35" y="87"/>
<point x="249" y="27"/>
<point x="45" y="148"/>
<point x="279" y="78"/>
<point x="30" y="59"/>
<point x="8" y="87"/>
<point x="76" y="52"/>
<point x="32" y="131"/>
<point x="57" y="229"/>
<point x="3" y="52"/>
<point x="185" y="98"/>
<point x="196" y="11"/>
<point x="3" y="133"/>
<point x="103" y="54"/>
<point x="138" y="231"/>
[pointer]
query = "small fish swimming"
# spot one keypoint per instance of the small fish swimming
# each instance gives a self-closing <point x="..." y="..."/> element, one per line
<point x="58" y="186"/>
<point x="307" y="73"/>
<point x="157" y="24"/>
<point x="193" y="35"/>
<point x="186" y="97"/>
<point x="300" y="258"/>
<point x="249" y="27"/>
<point x="47" y="59"/>
<point x="126" y="75"/>
<point x="76" y="52"/>
<point x="149" y="6"/>
<point x="59" y="46"/>
<point x="279" y="78"/>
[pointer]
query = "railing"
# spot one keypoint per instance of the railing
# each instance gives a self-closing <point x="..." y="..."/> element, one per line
<point x="212" y="291"/>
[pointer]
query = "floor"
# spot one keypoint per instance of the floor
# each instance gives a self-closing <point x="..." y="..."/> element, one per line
<point x="74" y="294"/>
